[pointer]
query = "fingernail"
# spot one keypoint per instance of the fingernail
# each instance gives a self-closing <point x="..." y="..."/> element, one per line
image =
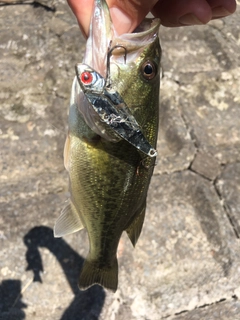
<point x="220" y="12"/>
<point x="189" y="19"/>
<point x="121" y="21"/>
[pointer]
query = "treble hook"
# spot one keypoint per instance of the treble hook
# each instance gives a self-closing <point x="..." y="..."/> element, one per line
<point x="108" y="60"/>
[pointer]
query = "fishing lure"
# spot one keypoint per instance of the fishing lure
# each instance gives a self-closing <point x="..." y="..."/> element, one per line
<point x="110" y="106"/>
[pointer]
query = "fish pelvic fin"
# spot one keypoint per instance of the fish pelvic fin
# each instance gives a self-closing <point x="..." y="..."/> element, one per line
<point x="68" y="222"/>
<point x="92" y="273"/>
<point x="135" y="227"/>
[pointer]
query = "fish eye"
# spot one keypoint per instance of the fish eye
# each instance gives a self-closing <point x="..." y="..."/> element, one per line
<point x="86" y="77"/>
<point x="148" y="70"/>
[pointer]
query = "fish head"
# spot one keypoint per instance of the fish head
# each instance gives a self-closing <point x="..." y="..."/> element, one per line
<point x="135" y="74"/>
<point x="135" y="61"/>
<point x="127" y="64"/>
<point x="103" y="37"/>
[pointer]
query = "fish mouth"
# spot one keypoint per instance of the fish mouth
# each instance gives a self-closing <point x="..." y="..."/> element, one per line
<point x="135" y="42"/>
<point x="103" y="36"/>
<point x="146" y="32"/>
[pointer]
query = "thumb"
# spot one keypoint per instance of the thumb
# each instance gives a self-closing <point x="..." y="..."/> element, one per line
<point x="127" y="15"/>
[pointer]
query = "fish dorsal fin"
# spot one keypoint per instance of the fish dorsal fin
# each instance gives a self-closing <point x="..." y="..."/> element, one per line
<point x="68" y="222"/>
<point x="135" y="227"/>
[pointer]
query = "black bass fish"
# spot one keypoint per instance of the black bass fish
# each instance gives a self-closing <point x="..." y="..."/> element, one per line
<point x="110" y="149"/>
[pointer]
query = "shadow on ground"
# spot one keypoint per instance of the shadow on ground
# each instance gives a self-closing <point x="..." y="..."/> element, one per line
<point x="85" y="305"/>
<point x="10" y="300"/>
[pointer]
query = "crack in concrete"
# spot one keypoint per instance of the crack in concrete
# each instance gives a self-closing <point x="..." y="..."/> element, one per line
<point x="204" y="306"/>
<point x="225" y="208"/>
<point x="35" y="3"/>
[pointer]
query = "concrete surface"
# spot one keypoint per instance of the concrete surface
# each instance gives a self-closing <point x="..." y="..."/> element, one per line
<point x="186" y="265"/>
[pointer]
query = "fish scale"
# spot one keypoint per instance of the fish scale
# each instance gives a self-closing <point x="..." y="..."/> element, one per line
<point x="108" y="176"/>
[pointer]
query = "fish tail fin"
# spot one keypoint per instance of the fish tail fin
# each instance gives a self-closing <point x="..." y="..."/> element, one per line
<point x="92" y="273"/>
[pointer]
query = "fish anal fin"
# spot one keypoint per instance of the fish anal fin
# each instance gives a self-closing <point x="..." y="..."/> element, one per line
<point x="135" y="227"/>
<point x="92" y="273"/>
<point x="68" y="222"/>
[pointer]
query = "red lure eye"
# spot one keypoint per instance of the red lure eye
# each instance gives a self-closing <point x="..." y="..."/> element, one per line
<point x="86" y="77"/>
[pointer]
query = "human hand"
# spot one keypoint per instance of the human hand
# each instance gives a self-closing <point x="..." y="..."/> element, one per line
<point x="127" y="15"/>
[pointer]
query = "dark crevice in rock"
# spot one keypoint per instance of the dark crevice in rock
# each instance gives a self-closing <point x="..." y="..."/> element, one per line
<point x="218" y="51"/>
<point x="181" y="312"/>
<point x="205" y="165"/>
<point x="204" y="306"/>
<point x="44" y="5"/>
<point x="205" y="208"/>
<point x="199" y="174"/>
<point x="47" y="5"/>
<point x="210" y="304"/>
<point x="191" y="133"/>
<point x="226" y="210"/>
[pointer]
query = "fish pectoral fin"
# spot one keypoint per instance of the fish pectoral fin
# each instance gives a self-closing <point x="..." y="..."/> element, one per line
<point x="66" y="152"/>
<point x="135" y="227"/>
<point x="68" y="222"/>
<point x="92" y="273"/>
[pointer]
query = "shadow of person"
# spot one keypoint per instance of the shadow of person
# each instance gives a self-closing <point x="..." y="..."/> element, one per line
<point x="86" y="304"/>
<point x="10" y="300"/>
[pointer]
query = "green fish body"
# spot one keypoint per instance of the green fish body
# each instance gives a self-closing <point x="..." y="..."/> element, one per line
<point x="109" y="177"/>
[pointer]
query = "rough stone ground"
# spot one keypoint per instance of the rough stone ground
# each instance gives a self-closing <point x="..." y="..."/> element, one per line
<point x="186" y="265"/>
